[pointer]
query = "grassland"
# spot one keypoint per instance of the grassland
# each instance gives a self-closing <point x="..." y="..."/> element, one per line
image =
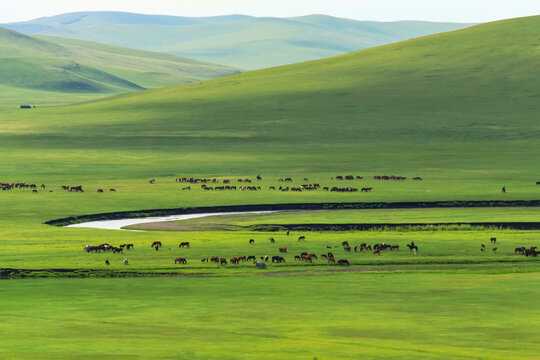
<point x="374" y="112"/>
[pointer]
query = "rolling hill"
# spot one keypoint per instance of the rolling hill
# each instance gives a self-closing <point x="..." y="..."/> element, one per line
<point x="31" y="67"/>
<point x="235" y="40"/>
<point x="463" y="104"/>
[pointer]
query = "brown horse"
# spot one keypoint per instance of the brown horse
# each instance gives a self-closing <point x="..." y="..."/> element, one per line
<point x="179" y="260"/>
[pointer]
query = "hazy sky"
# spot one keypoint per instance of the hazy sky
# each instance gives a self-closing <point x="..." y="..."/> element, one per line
<point x="383" y="10"/>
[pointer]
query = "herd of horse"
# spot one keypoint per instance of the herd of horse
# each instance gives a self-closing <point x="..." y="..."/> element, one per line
<point x="305" y="256"/>
<point x="258" y="260"/>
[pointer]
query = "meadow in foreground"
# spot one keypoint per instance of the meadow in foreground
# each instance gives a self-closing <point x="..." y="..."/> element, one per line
<point x="369" y="316"/>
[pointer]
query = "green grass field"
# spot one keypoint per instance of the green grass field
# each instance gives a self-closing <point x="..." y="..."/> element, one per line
<point x="401" y="109"/>
<point x="369" y="316"/>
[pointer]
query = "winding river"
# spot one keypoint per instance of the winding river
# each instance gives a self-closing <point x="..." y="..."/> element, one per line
<point x="119" y="224"/>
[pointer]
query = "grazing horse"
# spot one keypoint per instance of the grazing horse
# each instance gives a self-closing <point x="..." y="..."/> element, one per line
<point x="344" y="262"/>
<point x="129" y="246"/>
<point x="272" y="240"/>
<point x="204" y="260"/>
<point x="179" y="260"/>
<point x="99" y="190"/>
<point x="251" y="241"/>
<point x="223" y="261"/>
<point x="493" y="240"/>
<point x="520" y="250"/>
<point x="182" y="244"/>
<point x="282" y="249"/>
<point x="347" y="248"/>
<point x="394" y="247"/>
<point x="214" y="259"/>
<point x="307" y="258"/>
<point x="260" y="265"/>
<point x="107" y="262"/>
<point x="494" y="250"/>
<point x="156" y="243"/>
<point x="345" y="243"/>
<point x="251" y="257"/>
<point x="302" y="238"/>
<point x="296" y="257"/>
<point x="126" y="261"/>
<point x="112" y="190"/>
<point x="278" y="259"/>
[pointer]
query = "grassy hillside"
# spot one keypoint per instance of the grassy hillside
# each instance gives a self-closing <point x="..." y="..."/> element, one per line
<point x="32" y="68"/>
<point x="240" y="41"/>
<point x="455" y="106"/>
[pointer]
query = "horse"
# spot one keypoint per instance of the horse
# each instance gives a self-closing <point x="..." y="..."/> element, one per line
<point x="223" y="261"/>
<point x="307" y="258"/>
<point x="182" y="244"/>
<point x="251" y="257"/>
<point x="126" y="261"/>
<point x="107" y="262"/>
<point x="493" y="240"/>
<point x="156" y="243"/>
<point x="251" y="241"/>
<point x="260" y="265"/>
<point x="345" y="243"/>
<point x="343" y="262"/>
<point x="180" y="260"/>
<point x="282" y="249"/>
<point x="302" y="238"/>
<point x="520" y="250"/>
<point x="272" y="240"/>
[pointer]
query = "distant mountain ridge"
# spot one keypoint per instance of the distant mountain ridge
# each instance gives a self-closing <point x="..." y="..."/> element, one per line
<point x="73" y="66"/>
<point x="236" y="40"/>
